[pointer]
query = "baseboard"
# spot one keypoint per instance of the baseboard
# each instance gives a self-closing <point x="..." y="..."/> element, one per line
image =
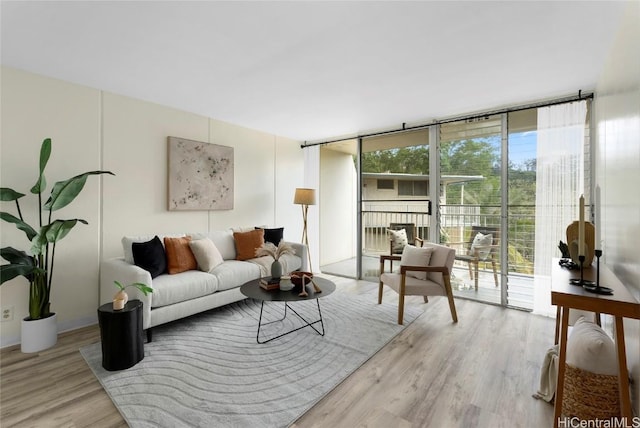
<point x="63" y="327"/>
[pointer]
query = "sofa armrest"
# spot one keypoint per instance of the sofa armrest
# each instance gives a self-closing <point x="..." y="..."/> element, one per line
<point x="117" y="269"/>
<point x="303" y="252"/>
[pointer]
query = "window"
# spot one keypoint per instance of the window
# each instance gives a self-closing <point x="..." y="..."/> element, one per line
<point x="385" y="184"/>
<point x="412" y="188"/>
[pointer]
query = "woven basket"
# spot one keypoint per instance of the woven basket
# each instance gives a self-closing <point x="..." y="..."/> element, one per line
<point x="590" y="396"/>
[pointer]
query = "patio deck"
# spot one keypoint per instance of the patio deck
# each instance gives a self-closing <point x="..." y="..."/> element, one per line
<point x="519" y="291"/>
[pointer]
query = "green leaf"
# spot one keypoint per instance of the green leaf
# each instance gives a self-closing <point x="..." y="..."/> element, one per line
<point x="7" y="194"/>
<point x="64" y="192"/>
<point x="53" y="232"/>
<point x="45" y="153"/>
<point x="28" y="230"/>
<point x="59" y="229"/>
<point x="143" y="287"/>
<point x="8" y="272"/>
<point x="14" y="256"/>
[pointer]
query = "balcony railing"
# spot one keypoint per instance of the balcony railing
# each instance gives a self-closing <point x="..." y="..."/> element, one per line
<point x="456" y="222"/>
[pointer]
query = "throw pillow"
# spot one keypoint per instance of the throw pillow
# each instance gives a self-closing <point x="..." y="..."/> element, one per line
<point x="150" y="256"/>
<point x="273" y="235"/>
<point x="206" y="253"/>
<point x="179" y="256"/>
<point x="247" y="243"/>
<point x="398" y="239"/>
<point x="416" y="256"/>
<point x="590" y="348"/>
<point x="482" y="244"/>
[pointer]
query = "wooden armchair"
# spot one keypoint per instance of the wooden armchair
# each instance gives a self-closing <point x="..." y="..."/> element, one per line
<point x="480" y="248"/>
<point x="417" y="278"/>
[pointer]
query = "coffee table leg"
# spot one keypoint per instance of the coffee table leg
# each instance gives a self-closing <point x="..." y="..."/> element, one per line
<point x="307" y="323"/>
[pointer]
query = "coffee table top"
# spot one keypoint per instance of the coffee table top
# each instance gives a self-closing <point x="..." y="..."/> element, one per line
<point x="253" y="290"/>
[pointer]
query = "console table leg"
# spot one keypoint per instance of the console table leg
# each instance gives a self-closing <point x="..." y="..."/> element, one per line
<point x="623" y="375"/>
<point x="562" y="358"/>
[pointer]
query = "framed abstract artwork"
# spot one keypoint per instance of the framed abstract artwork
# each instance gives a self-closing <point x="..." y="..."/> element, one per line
<point x="200" y="175"/>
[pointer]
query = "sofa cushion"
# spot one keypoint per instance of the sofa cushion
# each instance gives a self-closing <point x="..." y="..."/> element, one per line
<point x="180" y="258"/>
<point x="273" y="235"/>
<point x="206" y="254"/>
<point x="150" y="256"/>
<point x="128" y="240"/>
<point x="234" y="273"/>
<point x="247" y="243"/>
<point x="170" y="289"/>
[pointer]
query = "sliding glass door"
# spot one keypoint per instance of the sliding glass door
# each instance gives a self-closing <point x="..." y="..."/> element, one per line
<point x="471" y="204"/>
<point x="484" y="185"/>
<point x="394" y="193"/>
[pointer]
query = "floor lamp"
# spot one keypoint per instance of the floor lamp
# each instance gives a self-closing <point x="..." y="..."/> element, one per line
<point x="305" y="197"/>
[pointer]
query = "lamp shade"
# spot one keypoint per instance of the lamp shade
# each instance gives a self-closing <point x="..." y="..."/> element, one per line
<point x="305" y="196"/>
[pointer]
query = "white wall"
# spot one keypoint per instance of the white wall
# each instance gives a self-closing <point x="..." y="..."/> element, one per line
<point x="618" y="170"/>
<point x="337" y="196"/>
<point x="91" y="130"/>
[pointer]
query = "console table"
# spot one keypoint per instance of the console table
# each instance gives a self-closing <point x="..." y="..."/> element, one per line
<point x="621" y="305"/>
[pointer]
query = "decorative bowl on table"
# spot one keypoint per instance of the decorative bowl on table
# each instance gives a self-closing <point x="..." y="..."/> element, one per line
<point x="297" y="276"/>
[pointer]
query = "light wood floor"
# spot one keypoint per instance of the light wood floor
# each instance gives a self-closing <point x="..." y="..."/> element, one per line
<point x="480" y="372"/>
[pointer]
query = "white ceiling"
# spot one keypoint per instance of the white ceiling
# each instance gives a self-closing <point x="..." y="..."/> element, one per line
<point x="316" y="70"/>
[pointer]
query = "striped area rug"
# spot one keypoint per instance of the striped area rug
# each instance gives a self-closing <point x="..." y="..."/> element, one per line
<point x="208" y="371"/>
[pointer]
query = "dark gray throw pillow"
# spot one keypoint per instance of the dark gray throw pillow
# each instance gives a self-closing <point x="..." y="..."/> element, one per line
<point x="150" y="256"/>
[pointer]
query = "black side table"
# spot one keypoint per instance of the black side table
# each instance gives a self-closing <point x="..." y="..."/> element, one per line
<point x="121" y="334"/>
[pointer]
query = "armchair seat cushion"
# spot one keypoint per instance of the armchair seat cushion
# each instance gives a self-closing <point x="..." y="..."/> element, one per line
<point x="413" y="286"/>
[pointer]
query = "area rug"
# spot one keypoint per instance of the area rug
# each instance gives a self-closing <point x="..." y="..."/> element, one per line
<point x="208" y="371"/>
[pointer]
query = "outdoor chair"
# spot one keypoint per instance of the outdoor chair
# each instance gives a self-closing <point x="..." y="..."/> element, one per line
<point x="401" y="234"/>
<point x="424" y="271"/>
<point x="482" y="247"/>
<point x="396" y="239"/>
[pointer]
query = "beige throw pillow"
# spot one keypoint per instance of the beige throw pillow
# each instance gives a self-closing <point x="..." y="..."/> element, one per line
<point x="482" y="244"/>
<point x="398" y="239"/>
<point x="416" y="256"/>
<point x="206" y="253"/>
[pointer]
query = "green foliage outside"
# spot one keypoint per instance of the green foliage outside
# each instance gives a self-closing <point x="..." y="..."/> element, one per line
<point x="475" y="157"/>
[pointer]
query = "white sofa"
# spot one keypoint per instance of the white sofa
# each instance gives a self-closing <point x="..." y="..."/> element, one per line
<point x="180" y="295"/>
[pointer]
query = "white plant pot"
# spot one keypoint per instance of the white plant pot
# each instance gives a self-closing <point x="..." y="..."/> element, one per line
<point x="38" y="335"/>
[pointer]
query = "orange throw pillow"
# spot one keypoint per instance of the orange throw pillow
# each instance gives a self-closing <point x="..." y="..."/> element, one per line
<point x="247" y="243"/>
<point x="180" y="258"/>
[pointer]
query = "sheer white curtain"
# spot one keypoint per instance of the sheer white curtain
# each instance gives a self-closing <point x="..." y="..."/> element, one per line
<point x="559" y="184"/>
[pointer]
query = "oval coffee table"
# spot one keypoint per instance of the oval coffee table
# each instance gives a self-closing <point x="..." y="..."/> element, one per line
<point x="253" y="290"/>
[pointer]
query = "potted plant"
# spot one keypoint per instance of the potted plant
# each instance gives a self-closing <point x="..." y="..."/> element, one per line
<point x="39" y="330"/>
<point x="121" y="297"/>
